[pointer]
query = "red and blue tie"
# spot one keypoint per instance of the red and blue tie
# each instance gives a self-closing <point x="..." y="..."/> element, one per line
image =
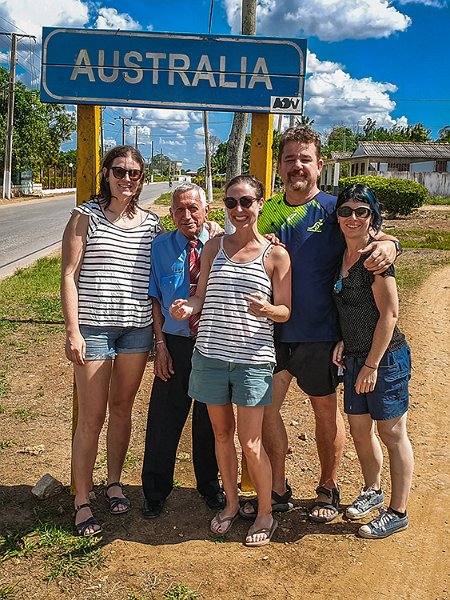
<point x="194" y="272"/>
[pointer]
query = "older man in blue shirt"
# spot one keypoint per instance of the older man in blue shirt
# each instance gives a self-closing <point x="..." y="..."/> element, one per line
<point x="169" y="402"/>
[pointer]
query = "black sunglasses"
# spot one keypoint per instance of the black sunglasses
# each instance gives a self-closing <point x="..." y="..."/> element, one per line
<point x="362" y="211"/>
<point x="133" y="174"/>
<point x="245" y="201"/>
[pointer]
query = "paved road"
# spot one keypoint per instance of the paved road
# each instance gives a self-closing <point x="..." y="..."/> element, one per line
<point x="32" y="229"/>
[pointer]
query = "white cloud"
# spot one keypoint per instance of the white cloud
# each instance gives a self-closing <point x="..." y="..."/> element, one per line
<point x="165" y="119"/>
<point x="434" y="3"/>
<point x="29" y="15"/>
<point x="110" y="18"/>
<point x="333" y="97"/>
<point x="329" y="20"/>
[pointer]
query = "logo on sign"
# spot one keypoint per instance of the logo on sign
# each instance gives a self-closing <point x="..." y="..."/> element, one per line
<point x="280" y="104"/>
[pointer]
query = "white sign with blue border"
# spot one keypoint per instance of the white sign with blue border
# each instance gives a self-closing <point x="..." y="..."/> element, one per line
<point x="163" y="70"/>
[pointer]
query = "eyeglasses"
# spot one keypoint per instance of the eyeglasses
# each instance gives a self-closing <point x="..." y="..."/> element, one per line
<point x="133" y="174"/>
<point x="362" y="212"/>
<point x="245" y="201"/>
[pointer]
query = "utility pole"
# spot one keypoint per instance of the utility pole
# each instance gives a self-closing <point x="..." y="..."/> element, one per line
<point x="123" y="119"/>
<point x="153" y="156"/>
<point x="10" y="118"/>
<point x="208" y="174"/>
<point x="238" y="130"/>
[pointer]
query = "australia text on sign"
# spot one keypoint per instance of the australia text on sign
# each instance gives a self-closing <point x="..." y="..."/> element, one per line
<point x="170" y="70"/>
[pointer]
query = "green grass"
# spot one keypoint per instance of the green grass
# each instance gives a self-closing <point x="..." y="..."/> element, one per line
<point x="4" y="387"/>
<point x="64" y="555"/>
<point x="7" y="592"/>
<point x="164" y="199"/>
<point x="32" y="293"/>
<point x="413" y="268"/>
<point x="422" y="238"/>
<point x="24" y="414"/>
<point x="4" y="444"/>
<point x="180" y="592"/>
<point x="443" y="200"/>
<point x="177" y="483"/>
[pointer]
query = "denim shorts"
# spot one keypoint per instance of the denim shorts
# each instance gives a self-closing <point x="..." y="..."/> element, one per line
<point x="104" y="343"/>
<point x="215" y="381"/>
<point x="390" y="397"/>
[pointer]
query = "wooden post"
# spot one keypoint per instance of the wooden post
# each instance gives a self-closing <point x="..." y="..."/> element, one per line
<point x="261" y="149"/>
<point x="87" y="182"/>
<point x="260" y="167"/>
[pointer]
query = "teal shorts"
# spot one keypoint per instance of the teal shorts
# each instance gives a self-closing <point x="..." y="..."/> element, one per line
<point x="215" y="381"/>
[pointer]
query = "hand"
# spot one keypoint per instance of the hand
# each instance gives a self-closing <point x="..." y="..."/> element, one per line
<point x="383" y="255"/>
<point x="272" y="238"/>
<point x="178" y="310"/>
<point x="338" y="354"/>
<point x="366" y="380"/>
<point x="163" y="365"/>
<point x="258" y="306"/>
<point x="215" y="230"/>
<point x="75" y="348"/>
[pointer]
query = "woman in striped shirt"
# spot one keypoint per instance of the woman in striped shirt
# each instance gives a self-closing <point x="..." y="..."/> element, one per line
<point x="244" y="286"/>
<point x="106" y="255"/>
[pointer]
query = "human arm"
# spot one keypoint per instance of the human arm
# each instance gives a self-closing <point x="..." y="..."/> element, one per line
<point x="73" y="247"/>
<point x="338" y="355"/>
<point x="383" y="252"/>
<point x="279" y="269"/>
<point x="386" y="299"/>
<point x="184" y="308"/>
<point x="163" y="366"/>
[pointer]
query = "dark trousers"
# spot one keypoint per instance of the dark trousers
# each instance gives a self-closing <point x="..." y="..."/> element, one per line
<point x="167" y="413"/>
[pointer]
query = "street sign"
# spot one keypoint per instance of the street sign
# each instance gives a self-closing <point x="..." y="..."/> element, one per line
<point x="163" y="70"/>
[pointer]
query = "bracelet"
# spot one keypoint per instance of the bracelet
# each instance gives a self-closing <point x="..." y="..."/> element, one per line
<point x="160" y="342"/>
<point x="369" y="367"/>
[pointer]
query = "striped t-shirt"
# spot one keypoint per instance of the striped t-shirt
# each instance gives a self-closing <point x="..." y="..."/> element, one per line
<point x="114" y="275"/>
<point x="226" y="330"/>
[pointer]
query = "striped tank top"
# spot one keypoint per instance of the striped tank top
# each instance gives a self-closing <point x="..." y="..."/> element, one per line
<point x="114" y="275"/>
<point x="226" y="330"/>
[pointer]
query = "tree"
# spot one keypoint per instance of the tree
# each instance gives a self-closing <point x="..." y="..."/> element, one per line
<point x="444" y="134"/>
<point x="39" y="129"/>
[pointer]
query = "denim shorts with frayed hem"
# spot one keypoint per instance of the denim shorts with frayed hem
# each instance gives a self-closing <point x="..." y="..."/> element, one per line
<point x="104" y="343"/>
<point x="390" y="397"/>
<point x="219" y="382"/>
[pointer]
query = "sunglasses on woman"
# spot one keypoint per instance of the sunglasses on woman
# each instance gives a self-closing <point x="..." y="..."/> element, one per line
<point x="120" y="172"/>
<point x="244" y="201"/>
<point x="362" y="212"/>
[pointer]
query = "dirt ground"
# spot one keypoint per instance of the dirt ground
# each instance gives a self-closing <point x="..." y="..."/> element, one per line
<point x="305" y="561"/>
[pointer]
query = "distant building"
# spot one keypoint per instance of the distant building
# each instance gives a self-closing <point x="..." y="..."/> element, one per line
<point x="427" y="163"/>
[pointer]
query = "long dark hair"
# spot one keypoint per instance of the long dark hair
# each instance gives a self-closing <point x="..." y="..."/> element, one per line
<point x="104" y="196"/>
<point x="363" y="193"/>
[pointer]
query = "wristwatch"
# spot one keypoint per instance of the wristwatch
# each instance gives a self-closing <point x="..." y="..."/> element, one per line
<point x="398" y="247"/>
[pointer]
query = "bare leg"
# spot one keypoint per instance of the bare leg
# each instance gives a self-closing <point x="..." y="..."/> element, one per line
<point x="222" y="421"/>
<point x="330" y="440"/>
<point x="92" y="381"/>
<point x="401" y="459"/>
<point x="250" y="433"/>
<point x="125" y="380"/>
<point x="274" y="431"/>
<point x="368" y="449"/>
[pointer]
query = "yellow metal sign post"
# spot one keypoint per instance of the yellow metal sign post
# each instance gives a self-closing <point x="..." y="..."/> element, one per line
<point x="261" y="141"/>
<point x="87" y="182"/>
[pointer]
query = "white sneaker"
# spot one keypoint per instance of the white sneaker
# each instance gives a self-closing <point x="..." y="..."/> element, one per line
<point x="367" y="501"/>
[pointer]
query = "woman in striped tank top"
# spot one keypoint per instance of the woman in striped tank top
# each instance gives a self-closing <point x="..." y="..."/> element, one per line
<point x="106" y="256"/>
<point x="244" y="287"/>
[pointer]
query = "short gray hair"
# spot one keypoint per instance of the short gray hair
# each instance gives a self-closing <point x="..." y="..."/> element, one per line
<point x="188" y="187"/>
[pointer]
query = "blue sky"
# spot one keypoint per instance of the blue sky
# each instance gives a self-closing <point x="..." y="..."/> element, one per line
<point x="367" y="58"/>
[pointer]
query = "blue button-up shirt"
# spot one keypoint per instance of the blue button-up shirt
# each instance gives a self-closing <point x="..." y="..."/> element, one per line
<point x="169" y="277"/>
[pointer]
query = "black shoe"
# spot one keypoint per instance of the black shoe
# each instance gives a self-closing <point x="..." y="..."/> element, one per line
<point x="216" y="501"/>
<point x="151" y="510"/>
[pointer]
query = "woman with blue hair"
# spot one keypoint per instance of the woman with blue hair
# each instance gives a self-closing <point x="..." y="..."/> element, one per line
<point x="377" y="366"/>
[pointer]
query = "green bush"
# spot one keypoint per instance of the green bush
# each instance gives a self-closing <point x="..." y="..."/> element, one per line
<point x="396" y="196"/>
